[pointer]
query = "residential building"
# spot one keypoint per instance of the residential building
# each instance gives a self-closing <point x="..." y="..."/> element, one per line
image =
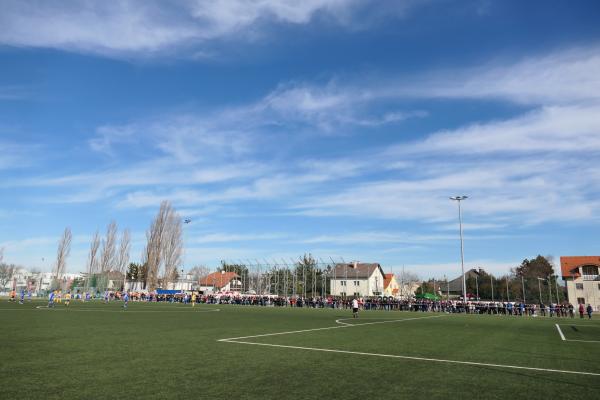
<point x="357" y="280"/>
<point x="221" y="282"/>
<point x="582" y="277"/>
<point x="455" y="286"/>
<point x="390" y="285"/>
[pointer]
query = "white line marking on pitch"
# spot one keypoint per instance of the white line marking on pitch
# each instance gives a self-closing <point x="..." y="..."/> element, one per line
<point x="560" y="332"/>
<point x="339" y="321"/>
<point x="585" y="341"/>
<point x="587" y="326"/>
<point x="346" y="325"/>
<point x="420" y="358"/>
<point x="326" y="328"/>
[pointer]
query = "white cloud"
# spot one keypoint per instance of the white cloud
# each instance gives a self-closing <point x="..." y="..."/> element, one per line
<point x="572" y="129"/>
<point x="561" y="77"/>
<point x="148" y="27"/>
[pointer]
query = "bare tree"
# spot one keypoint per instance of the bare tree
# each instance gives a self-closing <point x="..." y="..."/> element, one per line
<point x="123" y="254"/>
<point x="1" y="255"/>
<point x="198" y="272"/>
<point x="6" y="274"/>
<point x="153" y="256"/>
<point x="92" y="265"/>
<point x="107" y="259"/>
<point x="408" y="280"/>
<point x="172" y="247"/>
<point x="64" y="249"/>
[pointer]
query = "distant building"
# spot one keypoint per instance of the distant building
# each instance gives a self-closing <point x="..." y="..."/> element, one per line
<point x="455" y="286"/>
<point x="581" y="275"/>
<point x="390" y="285"/>
<point x="357" y="279"/>
<point x="221" y="282"/>
<point x="36" y="282"/>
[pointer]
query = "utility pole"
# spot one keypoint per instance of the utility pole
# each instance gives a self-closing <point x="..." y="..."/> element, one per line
<point x="462" y="250"/>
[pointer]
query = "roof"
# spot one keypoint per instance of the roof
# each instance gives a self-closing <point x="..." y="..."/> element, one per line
<point x="218" y="279"/>
<point x="455" y="285"/>
<point x="570" y="264"/>
<point x="387" y="280"/>
<point x="362" y="270"/>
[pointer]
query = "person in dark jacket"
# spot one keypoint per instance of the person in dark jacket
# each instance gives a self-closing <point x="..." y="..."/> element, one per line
<point x="589" y="310"/>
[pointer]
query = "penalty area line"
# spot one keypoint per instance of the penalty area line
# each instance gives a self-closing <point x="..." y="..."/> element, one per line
<point x="418" y="358"/>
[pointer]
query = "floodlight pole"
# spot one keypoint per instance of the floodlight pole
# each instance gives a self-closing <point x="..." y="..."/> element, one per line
<point x="462" y="250"/>
<point x="540" y="289"/>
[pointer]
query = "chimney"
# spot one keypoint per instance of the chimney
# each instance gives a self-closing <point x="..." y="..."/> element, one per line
<point x="355" y="264"/>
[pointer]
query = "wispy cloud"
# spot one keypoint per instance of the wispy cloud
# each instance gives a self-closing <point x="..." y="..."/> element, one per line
<point x="129" y="27"/>
<point x="523" y="168"/>
<point x="561" y="77"/>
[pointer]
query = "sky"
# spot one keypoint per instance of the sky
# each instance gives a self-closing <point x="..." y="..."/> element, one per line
<point x="338" y="128"/>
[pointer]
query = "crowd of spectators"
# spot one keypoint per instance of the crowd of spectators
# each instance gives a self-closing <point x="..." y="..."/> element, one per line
<point x="375" y="303"/>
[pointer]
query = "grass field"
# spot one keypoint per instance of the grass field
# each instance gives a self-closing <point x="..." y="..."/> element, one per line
<point x="95" y="350"/>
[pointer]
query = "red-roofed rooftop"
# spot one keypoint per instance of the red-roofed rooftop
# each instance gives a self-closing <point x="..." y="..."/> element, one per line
<point x="218" y="279"/>
<point x="569" y="264"/>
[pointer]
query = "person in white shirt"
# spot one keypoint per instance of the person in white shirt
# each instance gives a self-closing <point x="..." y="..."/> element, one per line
<point x="354" y="308"/>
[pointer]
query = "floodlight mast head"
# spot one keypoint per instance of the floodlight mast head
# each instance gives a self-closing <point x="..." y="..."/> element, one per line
<point x="459" y="198"/>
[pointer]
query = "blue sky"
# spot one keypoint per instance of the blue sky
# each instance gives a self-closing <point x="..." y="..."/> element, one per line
<point x="335" y="127"/>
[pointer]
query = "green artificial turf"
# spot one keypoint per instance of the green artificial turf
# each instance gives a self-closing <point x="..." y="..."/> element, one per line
<point x="94" y="350"/>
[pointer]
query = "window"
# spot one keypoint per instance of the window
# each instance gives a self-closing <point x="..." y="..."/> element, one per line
<point x="343" y="283"/>
<point x="356" y="283"/>
<point x="580" y="300"/>
<point x="343" y="294"/>
<point x="579" y="286"/>
<point x="356" y="294"/>
<point x="589" y="272"/>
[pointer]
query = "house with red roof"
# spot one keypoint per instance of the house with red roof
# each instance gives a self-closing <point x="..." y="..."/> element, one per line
<point x="221" y="281"/>
<point x="390" y="285"/>
<point x="582" y="277"/>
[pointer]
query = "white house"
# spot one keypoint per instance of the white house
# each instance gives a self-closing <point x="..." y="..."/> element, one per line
<point x="582" y="277"/>
<point x="357" y="279"/>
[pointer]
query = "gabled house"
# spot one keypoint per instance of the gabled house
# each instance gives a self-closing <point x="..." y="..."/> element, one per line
<point x="357" y="279"/>
<point x="582" y="277"/>
<point x="455" y="286"/>
<point x="221" y="282"/>
<point x="390" y="285"/>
